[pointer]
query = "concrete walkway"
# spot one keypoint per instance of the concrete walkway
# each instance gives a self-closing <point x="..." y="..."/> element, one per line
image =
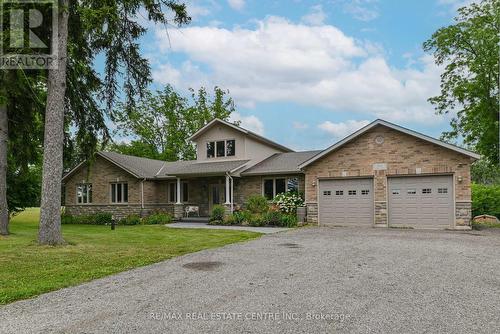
<point x="265" y="230"/>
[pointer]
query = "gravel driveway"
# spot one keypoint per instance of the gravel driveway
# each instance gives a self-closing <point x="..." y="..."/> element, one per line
<point x="311" y="280"/>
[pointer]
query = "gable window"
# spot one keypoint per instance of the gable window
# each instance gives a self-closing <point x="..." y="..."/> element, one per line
<point x="210" y="149"/>
<point x="221" y="148"/>
<point x="275" y="186"/>
<point x="84" y="193"/>
<point x="230" y="151"/>
<point x="172" y="192"/>
<point x="119" y="192"/>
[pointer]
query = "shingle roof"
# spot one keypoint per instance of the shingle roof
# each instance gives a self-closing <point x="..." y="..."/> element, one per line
<point x="200" y="168"/>
<point x="137" y="166"/>
<point x="281" y="163"/>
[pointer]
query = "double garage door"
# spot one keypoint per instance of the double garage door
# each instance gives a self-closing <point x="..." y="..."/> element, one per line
<point x="416" y="200"/>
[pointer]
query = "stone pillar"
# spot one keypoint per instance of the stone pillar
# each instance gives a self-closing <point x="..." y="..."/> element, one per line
<point x="178" y="211"/>
<point x="228" y="209"/>
<point x="463" y="213"/>
<point x="312" y="213"/>
<point x="380" y="198"/>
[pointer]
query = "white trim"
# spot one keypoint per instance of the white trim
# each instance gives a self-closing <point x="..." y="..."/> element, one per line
<point x="394" y="127"/>
<point x="87" y="184"/>
<point x="178" y="191"/>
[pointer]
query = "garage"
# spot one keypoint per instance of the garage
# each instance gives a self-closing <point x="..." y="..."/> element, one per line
<point x="421" y="200"/>
<point x="346" y="201"/>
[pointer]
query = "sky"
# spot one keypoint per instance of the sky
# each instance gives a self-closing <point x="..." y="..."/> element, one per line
<point x="308" y="73"/>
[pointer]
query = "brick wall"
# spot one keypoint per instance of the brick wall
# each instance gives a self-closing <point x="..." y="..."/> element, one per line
<point x="403" y="154"/>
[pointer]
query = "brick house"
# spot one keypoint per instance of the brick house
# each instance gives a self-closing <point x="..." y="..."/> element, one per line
<point x="381" y="175"/>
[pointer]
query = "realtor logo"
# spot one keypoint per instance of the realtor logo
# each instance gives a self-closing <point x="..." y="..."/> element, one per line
<point x="28" y="34"/>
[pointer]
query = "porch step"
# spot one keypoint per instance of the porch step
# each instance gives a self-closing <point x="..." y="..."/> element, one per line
<point x="194" y="219"/>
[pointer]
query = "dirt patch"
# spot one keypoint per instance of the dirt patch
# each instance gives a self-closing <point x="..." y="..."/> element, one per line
<point x="290" y="245"/>
<point x="203" y="266"/>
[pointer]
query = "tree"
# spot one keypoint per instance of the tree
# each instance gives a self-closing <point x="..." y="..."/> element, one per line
<point x="162" y="122"/>
<point x="469" y="49"/>
<point x="106" y="27"/>
<point x="484" y="172"/>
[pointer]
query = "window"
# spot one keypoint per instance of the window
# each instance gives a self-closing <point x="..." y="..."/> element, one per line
<point x="293" y="184"/>
<point x="172" y="192"/>
<point x="210" y="149"/>
<point x="411" y="191"/>
<point x="396" y="191"/>
<point x="365" y="192"/>
<point x="230" y="151"/>
<point x="442" y="190"/>
<point x="84" y="193"/>
<point x="327" y="193"/>
<point x="339" y="192"/>
<point x="273" y="187"/>
<point x="426" y="191"/>
<point x="221" y="148"/>
<point x="119" y="192"/>
<point x="352" y="192"/>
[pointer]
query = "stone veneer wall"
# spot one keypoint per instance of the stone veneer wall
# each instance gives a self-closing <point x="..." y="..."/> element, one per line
<point x="403" y="155"/>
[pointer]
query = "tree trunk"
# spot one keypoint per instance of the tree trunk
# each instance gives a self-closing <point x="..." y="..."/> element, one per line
<point x="4" y="133"/>
<point x="49" y="232"/>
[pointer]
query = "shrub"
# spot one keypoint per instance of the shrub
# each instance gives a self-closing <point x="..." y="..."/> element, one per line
<point x="67" y="219"/>
<point x="288" y="221"/>
<point x="257" y="220"/>
<point x="272" y="218"/>
<point x="242" y="217"/>
<point x="486" y="200"/>
<point x="230" y="220"/>
<point x="218" y="213"/>
<point x="288" y="202"/>
<point x="158" y="218"/>
<point x="257" y="204"/>
<point x="216" y="222"/>
<point x="130" y="220"/>
<point x="102" y="218"/>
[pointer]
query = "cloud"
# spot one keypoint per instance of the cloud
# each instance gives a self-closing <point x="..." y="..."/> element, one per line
<point x="363" y="10"/>
<point x="342" y="129"/>
<point x="315" y="17"/>
<point x="236" y="4"/>
<point x="251" y="122"/>
<point x="300" y="126"/>
<point x="278" y="60"/>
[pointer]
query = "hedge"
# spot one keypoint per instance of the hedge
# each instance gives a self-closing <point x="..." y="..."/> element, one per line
<point x="486" y="200"/>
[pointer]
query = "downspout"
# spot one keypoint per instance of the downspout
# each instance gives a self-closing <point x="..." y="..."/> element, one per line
<point x="142" y="194"/>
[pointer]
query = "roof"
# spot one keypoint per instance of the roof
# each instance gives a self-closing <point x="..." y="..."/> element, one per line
<point x="240" y="129"/>
<point x="394" y="127"/>
<point x="281" y="163"/>
<point x="182" y="168"/>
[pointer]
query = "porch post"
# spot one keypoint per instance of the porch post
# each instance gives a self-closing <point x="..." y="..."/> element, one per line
<point x="228" y="187"/>
<point x="178" y="191"/>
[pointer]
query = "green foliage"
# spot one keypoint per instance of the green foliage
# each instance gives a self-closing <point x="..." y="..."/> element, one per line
<point x="469" y="51"/>
<point x="485" y="200"/>
<point x="272" y="218"/>
<point x="484" y="172"/>
<point x="242" y="217"/>
<point x="130" y="220"/>
<point x="102" y="218"/>
<point x="218" y="213"/>
<point x="288" y="220"/>
<point x="230" y="220"/>
<point x="288" y="202"/>
<point x="162" y="122"/>
<point x="257" y="220"/>
<point x="257" y="204"/>
<point x="159" y="218"/>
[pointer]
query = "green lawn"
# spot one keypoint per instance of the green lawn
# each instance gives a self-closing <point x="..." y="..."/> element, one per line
<point x="27" y="270"/>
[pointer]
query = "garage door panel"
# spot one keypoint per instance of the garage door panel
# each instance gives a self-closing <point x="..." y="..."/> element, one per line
<point x="350" y="201"/>
<point x="421" y="200"/>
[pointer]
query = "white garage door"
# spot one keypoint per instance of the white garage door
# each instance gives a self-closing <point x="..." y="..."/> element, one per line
<point x="421" y="200"/>
<point x="343" y="202"/>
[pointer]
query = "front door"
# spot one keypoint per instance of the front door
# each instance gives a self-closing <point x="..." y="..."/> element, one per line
<point x="215" y="195"/>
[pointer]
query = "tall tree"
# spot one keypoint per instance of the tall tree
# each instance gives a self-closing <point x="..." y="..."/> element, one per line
<point x="162" y="122"/>
<point x="107" y="27"/>
<point x="4" y="133"/>
<point x="469" y="49"/>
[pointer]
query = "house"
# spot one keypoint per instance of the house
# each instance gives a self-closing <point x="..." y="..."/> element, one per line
<point x="381" y="175"/>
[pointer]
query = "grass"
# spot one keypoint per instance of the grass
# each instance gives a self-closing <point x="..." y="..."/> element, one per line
<point x="482" y="226"/>
<point x="27" y="270"/>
